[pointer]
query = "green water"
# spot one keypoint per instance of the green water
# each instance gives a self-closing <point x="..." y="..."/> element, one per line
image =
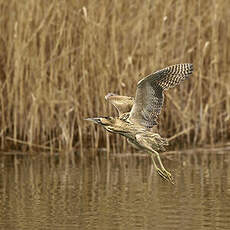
<point x="41" y="192"/>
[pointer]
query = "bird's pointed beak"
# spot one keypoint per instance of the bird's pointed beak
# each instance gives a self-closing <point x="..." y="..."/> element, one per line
<point x="95" y="120"/>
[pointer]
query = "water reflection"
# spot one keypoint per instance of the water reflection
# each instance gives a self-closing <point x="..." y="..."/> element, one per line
<point x="41" y="192"/>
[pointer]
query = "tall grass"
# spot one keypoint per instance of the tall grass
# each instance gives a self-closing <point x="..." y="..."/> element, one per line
<point x="59" y="58"/>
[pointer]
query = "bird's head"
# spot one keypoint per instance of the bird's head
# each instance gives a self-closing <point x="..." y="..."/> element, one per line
<point x="104" y="121"/>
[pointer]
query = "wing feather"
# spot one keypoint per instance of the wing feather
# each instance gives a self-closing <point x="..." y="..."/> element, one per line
<point x="149" y="94"/>
<point x="123" y="104"/>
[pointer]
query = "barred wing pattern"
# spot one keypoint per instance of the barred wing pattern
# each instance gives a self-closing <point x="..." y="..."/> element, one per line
<point x="149" y="94"/>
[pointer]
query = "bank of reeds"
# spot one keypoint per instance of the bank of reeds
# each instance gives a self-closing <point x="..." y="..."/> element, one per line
<point x="59" y="58"/>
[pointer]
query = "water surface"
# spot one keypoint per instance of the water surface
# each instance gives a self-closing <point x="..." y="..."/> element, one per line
<point x="57" y="192"/>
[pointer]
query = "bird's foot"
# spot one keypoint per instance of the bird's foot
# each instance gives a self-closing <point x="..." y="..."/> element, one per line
<point x="165" y="175"/>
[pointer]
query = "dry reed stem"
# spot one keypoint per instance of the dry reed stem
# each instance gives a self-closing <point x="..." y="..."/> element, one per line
<point x="59" y="58"/>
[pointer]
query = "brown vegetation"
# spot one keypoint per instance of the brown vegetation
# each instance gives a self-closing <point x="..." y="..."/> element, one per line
<point x="58" y="59"/>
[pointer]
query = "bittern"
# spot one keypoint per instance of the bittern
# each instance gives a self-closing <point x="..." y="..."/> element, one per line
<point x="138" y="115"/>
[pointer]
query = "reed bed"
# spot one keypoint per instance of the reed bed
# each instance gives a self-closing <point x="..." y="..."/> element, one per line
<point x="59" y="58"/>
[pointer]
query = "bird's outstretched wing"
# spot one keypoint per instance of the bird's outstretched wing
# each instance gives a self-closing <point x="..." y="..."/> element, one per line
<point x="149" y="94"/>
<point x="123" y="104"/>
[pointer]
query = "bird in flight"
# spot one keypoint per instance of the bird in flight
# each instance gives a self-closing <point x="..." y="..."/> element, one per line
<point x="138" y="115"/>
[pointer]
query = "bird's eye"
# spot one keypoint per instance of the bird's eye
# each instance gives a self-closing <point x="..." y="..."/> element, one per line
<point x="108" y="118"/>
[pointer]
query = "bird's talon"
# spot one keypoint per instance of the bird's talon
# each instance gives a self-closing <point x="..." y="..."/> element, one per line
<point x="165" y="175"/>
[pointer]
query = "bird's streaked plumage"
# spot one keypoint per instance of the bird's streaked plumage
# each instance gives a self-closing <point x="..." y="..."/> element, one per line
<point x="137" y="115"/>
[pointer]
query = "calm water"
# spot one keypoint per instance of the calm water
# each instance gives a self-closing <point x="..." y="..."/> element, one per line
<point x="41" y="192"/>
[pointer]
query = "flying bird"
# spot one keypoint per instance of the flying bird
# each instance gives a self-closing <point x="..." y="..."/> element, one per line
<point x="137" y="115"/>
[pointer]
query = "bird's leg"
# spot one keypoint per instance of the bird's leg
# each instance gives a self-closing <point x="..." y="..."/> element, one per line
<point x="159" y="160"/>
<point x="162" y="172"/>
<point x="159" y="171"/>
